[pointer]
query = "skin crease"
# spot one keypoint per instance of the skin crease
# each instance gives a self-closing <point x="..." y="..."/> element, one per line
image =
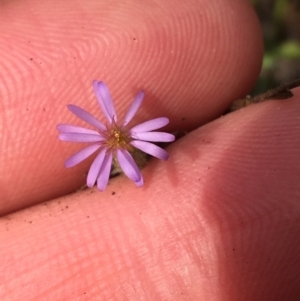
<point x="218" y="221"/>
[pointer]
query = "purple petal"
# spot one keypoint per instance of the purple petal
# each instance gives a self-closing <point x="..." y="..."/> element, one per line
<point x="104" y="172"/>
<point x="134" y="107"/>
<point x="153" y="136"/>
<point x="128" y="165"/>
<point x="150" y="149"/>
<point x="95" y="169"/>
<point x="77" y="137"/>
<point x="151" y="125"/>
<point x="81" y="155"/>
<point x="69" y="128"/>
<point x="105" y="101"/>
<point x="87" y="117"/>
<point x="140" y="183"/>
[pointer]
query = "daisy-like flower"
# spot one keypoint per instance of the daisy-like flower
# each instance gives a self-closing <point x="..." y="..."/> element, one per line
<point x="114" y="141"/>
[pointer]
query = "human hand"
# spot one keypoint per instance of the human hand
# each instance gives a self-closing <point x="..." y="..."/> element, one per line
<point x="218" y="221"/>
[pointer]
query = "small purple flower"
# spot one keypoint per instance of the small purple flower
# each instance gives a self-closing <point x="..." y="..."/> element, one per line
<point x="114" y="141"/>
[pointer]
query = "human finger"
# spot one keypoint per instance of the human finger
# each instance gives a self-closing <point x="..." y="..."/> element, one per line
<point x="218" y="221"/>
<point x="191" y="59"/>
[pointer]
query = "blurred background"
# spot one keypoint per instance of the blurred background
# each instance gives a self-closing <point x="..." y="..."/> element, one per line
<point x="280" y="20"/>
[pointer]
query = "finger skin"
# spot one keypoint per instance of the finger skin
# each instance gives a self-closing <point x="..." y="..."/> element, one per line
<point x="191" y="58"/>
<point x="219" y="221"/>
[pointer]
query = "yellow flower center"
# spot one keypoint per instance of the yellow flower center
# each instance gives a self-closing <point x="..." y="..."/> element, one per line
<point x="117" y="137"/>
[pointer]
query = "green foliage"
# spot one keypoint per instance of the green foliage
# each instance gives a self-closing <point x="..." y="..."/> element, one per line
<point x="281" y="29"/>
